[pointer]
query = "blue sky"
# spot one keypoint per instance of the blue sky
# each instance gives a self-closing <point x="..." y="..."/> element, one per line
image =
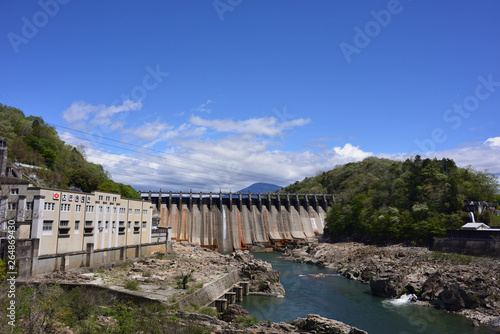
<point x="220" y="94"/>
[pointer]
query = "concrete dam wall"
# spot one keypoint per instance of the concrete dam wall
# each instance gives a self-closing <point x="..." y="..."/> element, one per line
<point x="229" y="222"/>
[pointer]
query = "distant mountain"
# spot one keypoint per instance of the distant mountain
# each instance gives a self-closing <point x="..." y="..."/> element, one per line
<point x="260" y="188"/>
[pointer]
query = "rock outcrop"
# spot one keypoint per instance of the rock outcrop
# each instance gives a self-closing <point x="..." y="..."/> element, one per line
<point x="261" y="275"/>
<point x="467" y="285"/>
<point x="319" y="324"/>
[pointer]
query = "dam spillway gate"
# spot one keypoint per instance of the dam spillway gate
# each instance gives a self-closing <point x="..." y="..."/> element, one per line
<point x="226" y="221"/>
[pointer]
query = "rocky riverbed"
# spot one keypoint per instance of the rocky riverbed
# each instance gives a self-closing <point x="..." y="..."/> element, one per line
<point x="466" y="285"/>
<point x="157" y="278"/>
<point x="160" y="276"/>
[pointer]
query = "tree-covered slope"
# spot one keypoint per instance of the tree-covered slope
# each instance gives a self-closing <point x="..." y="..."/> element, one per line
<point x="386" y="200"/>
<point x="31" y="141"/>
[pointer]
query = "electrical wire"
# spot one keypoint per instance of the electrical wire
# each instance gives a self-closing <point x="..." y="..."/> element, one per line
<point x="211" y="166"/>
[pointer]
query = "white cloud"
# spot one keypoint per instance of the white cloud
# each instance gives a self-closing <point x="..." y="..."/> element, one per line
<point x="351" y="152"/>
<point x="203" y="107"/>
<point x="267" y="126"/>
<point x="149" y="131"/>
<point x="106" y="115"/>
<point x="482" y="157"/>
<point x="78" y="111"/>
<point x="102" y="115"/>
<point x="495" y="141"/>
<point x="208" y="155"/>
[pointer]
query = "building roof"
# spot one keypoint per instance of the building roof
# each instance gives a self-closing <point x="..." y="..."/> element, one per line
<point x="474" y="225"/>
<point x="12" y="180"/>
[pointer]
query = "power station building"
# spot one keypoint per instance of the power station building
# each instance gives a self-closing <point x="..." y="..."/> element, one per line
<point x="70" y="229"/>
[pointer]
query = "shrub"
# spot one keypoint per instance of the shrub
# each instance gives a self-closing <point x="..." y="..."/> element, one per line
<point x="132" y="285"/>
<point x="247" y="321"/>
<point x="210" y="311"/>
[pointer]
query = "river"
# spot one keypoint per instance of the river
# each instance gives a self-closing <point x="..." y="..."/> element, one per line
<point x="336" y="297"/>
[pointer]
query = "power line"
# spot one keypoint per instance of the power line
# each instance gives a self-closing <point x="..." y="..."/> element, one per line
<point x="151" y="149"/>
<point x="204" y="164"/>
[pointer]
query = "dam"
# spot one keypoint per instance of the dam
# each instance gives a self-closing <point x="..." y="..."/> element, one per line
<point x="227" y="221"/>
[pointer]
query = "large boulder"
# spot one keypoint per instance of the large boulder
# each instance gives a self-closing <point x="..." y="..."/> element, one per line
<point x="455" y="298"/>
<point x="319" y="324"/>
<point x="387" y="285"/>
<point x="232" y="313"/>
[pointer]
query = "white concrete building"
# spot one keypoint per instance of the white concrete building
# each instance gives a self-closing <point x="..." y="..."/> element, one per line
<point x="75" y="224"/>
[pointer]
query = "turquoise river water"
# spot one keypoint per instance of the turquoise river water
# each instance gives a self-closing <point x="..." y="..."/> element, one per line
<point x="336" y="297"/>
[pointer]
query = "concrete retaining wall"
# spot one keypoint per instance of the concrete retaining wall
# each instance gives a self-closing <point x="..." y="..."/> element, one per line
<point x="211" y="291"/>
<point x="30" y="264"/>
<point x="467" y="247"/>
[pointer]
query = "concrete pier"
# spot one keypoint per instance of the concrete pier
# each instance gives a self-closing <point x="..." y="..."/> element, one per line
<point x="246" y="288"/>
<point x="221" y="305"/>
<point x="239" y="292"/>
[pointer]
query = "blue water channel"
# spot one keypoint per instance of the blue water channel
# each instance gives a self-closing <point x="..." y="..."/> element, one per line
<point x="336" y="297"/>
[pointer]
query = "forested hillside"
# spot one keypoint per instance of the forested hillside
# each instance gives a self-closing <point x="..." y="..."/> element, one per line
<point x="412" y="200"/>
<point x="31" y="141"/>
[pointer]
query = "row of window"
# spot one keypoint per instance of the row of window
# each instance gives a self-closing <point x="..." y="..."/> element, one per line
<point x="101" y="198"/>
<point x="49" y="206"/>
<point x="14" y="205"/>
<point x="64" y="226"/>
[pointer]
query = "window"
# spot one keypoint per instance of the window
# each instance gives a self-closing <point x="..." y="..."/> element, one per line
<point x="144" y="225"/>
<point x="64" y="228"/>
<point x="114" y="209"/>
<point x="77" y="226"/>
<point x="136" y="227"/>
<point x="78" y="208"/>
<point x="49" y="206"/>
<point x="137" y="211"/>
<point x="121" y="227"/>
<point x="89" y="208"/>
<point x="101" y="197"/>
<point x="47" y="227"/>
<point x="128" y="225"/>
<point x="89" y="223"/>
<point x="114" y="199"/>
<point x="107" y="198"/>
<point x="66" y="207"/>
<point x="122" y="210"/>
<point x="144" y="212"/>
<point x="77" y="198"/>
<point x="12" y="205"/>
<point x="14" y="191"/>
<point x="70" y="198"/>
<point x="29" y="206"/>
<point x="100" y="208"/>
<point x="106" y="226"/>
<point x="129" y="211"/>
<point x="107" y="209"/>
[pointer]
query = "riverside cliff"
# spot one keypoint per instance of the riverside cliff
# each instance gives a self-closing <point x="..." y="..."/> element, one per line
<point x="466" y="285"/>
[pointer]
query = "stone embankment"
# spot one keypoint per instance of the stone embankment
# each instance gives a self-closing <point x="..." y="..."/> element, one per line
<point x="466" y="285"/>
